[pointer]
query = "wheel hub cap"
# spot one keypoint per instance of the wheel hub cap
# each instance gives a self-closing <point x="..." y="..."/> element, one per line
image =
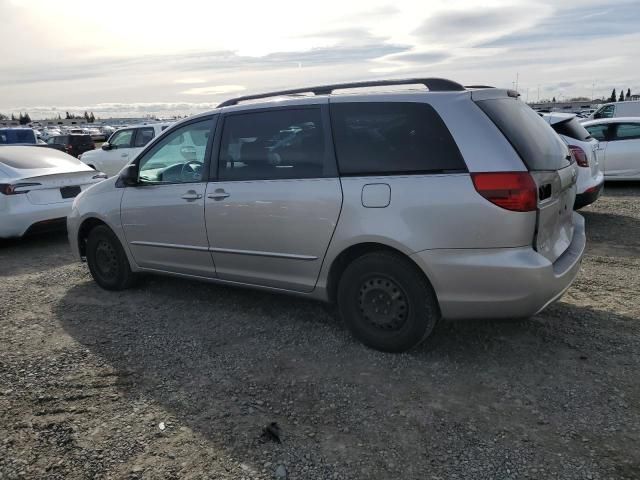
<point x="383" y="303"/>
<point x="106" y="259"/>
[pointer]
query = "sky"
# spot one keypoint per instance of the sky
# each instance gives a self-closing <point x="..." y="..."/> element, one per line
<point x="133" y="58"/>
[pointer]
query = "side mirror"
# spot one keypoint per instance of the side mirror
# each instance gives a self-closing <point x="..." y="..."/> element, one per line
<point x="107" y="146"/>
<point x="129" y="175"/>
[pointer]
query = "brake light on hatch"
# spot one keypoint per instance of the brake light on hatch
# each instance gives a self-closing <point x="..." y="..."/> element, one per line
<point x="579" y="155"/>
<point x="515" y="191"/>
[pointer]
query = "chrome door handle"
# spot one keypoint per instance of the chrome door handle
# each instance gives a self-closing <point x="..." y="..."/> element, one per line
<point x="124" y="155"/>
<point x="218" y="195"/>
<point x="191" y="195"/>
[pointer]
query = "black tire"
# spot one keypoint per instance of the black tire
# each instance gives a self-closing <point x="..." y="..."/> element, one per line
<point x="107" y="260"/>
<point x="386" y="302"/>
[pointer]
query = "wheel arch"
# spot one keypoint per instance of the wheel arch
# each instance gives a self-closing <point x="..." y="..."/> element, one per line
<point x="86" y="226"/>
<point x="349" y="254"/>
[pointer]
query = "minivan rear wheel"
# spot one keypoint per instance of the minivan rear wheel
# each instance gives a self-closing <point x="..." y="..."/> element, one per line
<point x="386" y="302"/>
<point x="107" y="260"/>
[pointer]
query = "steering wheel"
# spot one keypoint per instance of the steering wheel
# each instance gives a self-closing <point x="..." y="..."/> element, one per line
<point x="192" y="168"/>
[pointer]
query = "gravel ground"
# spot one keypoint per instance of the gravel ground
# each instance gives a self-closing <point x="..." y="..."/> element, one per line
<point x="177" y="379"/>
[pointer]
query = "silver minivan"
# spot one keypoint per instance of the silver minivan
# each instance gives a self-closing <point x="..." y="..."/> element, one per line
<point x="402" y="206"/>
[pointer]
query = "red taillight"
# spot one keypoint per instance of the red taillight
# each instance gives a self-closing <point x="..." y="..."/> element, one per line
<point x="514" y="191"/>
<point x="11" y="189"/>
<point x="68" y="147"/>
<point x="579" y="155"/>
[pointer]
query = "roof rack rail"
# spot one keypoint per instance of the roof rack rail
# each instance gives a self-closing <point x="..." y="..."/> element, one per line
<point x="433" y="84"/>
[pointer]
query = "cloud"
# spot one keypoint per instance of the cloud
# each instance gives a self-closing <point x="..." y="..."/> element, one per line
<point x="577" y="23"/>
<point x="190" y="81"/>
<point x="467" y="26"/>
<point x="175" y="55"/>
<point x="214" y="90"/>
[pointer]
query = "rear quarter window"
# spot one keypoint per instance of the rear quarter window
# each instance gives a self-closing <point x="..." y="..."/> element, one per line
<point x="392" y="138"/>
<point x="531" y="136"/>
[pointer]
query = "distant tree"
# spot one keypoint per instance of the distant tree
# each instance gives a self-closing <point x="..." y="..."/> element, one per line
<point x="23" y="119"/>
<point x="92" y="117"/>
<point x="59" y="117"/>
<point x="86" y="116"/>
<point x="613" y="97"/>
<point x="27" y="118"/>
<point x="3" y="117"/>
<point x="67" y="116"/>
<point x="628" y="96"/>
<point x="621" y="99"/>
<point x="554" y="100"/>
<point x="13" y="117"/>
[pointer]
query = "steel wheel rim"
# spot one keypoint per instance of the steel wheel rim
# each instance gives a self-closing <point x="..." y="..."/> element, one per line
<point x="106" y="259"/>
<point x="383" y="303"/>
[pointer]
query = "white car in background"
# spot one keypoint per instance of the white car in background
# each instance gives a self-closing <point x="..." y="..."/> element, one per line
<point x="107" y="131"/>
<point x="619" y="149"/>
<point x="37" y="188"/>
<point x="629" y="108"/>
<point x="123" y="146"/>
<point x="50" y="132"/>
<point x="95" y="133"/>
<point x="584" y="148"/>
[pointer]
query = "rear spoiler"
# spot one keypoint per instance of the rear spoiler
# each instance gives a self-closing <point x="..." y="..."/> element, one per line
<point x="489" y="93"/>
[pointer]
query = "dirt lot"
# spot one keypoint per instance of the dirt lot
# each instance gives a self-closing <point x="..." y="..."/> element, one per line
<point x="177" y="379"/>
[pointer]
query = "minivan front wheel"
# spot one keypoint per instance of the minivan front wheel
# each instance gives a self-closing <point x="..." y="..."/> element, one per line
<point x="386" y="302"/>
<point x="107" y="260"/>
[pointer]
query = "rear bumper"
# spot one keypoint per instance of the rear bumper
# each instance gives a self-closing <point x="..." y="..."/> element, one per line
<point x="20" y="218"/>
<point x="500" y="282"/>
<point x="588" y="196"/>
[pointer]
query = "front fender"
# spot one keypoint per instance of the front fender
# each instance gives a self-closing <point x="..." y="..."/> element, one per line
<point x="101" y="203"/>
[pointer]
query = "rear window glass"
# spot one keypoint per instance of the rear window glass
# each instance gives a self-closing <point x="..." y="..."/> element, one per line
<point x="80" y="139"/>
<point x="12" y="136"/>
<point x="573" y="129"/>
<point x="535" y="141"/>
<point x="34" y="157"/>
<point x="392" y="138"/>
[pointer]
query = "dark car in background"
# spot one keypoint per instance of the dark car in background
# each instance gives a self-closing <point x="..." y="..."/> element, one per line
<point x="73" y="144"/>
